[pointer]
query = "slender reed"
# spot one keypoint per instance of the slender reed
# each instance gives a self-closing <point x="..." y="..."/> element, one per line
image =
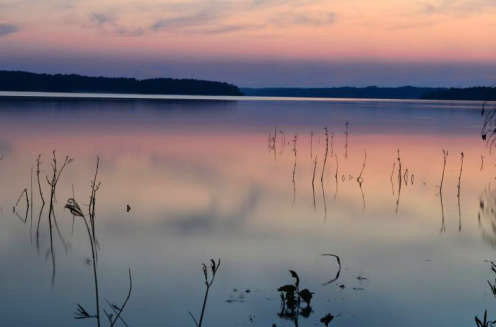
<point x="24" y="194"/>
<point x="209" y="280"/>
<point x="313" y="181"/>
<point x="332" y="144"/>
<point x="74" y="208"/>
<point x="391" y="177"/>
<point x="326" y="133"/>
<point x="400" y="180"/>
<point x="38" y="160"/>
<point x="336" y="176"/>
<point x="294" y="168"/>
<point x="458" y="187"/>
<point x="360" y="179"/>
<point x="445" y="157"/>
<point x="52" y="182"/>
<point x="443" y="223"/>
<point x="346" y="134"/>
<point x="360" y="176"/>
<point x="311" y="144"/>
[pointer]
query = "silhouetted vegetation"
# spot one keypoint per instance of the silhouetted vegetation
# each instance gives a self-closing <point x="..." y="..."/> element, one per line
<point x="291" y="299"/>
<point x="471" y="93"/>
<point x="405" y="92"/>
<point x="25" y="81"/>
<point x="484" y="322"/>
<point x="209" y="280"/>
<point x="81" y="313"/>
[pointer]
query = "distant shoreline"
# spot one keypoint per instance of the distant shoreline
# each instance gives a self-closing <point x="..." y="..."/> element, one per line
<point x="74" y="96"/>
<point x="32" y="82"/>
<point x="20" y="81"/>
<point x="374" y="92"/>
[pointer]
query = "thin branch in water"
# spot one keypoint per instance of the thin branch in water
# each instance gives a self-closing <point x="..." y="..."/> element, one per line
<point x="73" y="217"/>
<point x="313" y="182"/>
<point x="346" y="134"/>
<point x="405" y="177"/>
<point x="458" y="187"/>
<point x="117" y="316"/>
<point x="482" y="162"/>
<point x="336" y="176"/>
<point x="324" y="200"/>
<point x="364" y="163"/>
<point x="52" y="182"/>
<point x="338" y="260"/>
<point x="32" y="204"/>
<point x="445" y="157"/>
<point x="115" y="309"/>
<point x="311" y="144"/>
<point x="332" y="144"/>
<point x="209" y="277"/>
<point x="24" y="194"/>
<point x="95" y="186"/>
<point x="360" y="179"/>
<point x="326" y="133"/>
<point x="443" y="223"/>
<point x="294" y="168"/>
<point x="38" y="160"/>
<point x="400" y="181"/>
<point x="391" y="177"/>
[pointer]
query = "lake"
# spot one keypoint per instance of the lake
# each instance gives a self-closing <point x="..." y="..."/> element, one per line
<point x="231" y="178"/>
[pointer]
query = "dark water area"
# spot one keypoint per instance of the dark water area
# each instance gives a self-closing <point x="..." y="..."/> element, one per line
<point x="226" y="178"/>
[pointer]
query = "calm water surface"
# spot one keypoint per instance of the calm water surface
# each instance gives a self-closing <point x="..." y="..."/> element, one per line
<point x="205" y="178"/>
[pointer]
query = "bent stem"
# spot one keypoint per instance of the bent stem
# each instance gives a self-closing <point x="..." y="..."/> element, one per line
<point x="209" y="280"/>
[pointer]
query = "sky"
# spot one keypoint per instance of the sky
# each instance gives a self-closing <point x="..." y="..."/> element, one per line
<point x="257" y="43"/>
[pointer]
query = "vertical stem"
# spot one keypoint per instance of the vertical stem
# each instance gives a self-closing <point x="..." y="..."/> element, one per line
<point x="325" y="153"/>
<point x="95" y="275"/>
<point x="311" y="144"/>
<point x="204" y="305"/>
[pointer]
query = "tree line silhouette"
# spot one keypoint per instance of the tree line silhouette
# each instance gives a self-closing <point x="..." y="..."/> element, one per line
<point x="26" y="81"/>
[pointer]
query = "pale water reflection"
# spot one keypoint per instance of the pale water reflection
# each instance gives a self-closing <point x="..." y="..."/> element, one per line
<point x="241" y="180"/>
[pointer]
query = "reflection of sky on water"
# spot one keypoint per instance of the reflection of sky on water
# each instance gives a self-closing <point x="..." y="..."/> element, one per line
<point x="201" y="182"/>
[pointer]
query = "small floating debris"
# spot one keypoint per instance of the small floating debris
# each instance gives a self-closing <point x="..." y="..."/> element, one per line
<point x="360" y="277"/>
<point x="342" y="286"/>
<point x="358" y="289"/>
<point x="128" y="208"/>
<point x="237" y="297"/>
<point x="326" y="320"/>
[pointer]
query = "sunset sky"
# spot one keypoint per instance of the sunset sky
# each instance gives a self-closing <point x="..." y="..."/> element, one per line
<point x="257" y="42"/>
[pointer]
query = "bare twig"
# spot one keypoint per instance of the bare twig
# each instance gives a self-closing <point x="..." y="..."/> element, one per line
<point x="294" y="168"/>
<point x="346" y="134"/>
<point x="209" y="277"/>
<point x="326" y="133"/>
<point x="443" y="223"/>
<point x="313" y="181"/>
<point x="117" y="316"/>
<point x="338" y="260"/>
<point x="458" y="187"/>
